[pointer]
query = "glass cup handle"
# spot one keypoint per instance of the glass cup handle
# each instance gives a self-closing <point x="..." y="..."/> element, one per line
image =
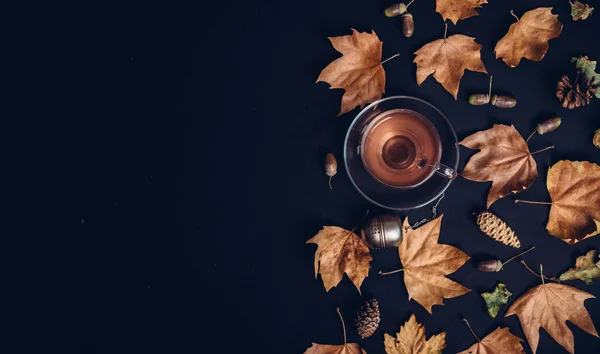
<point x="445" y="171"/>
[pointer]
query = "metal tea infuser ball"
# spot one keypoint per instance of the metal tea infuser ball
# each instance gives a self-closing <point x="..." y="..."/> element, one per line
<point x="383" y="231"/>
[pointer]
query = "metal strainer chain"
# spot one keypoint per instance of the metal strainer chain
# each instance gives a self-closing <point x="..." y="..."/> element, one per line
<point x="433" y="216"/>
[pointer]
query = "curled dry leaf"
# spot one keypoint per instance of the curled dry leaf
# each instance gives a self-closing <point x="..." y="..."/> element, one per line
<point x="574" y="188"/>
<point x="426" y="264"/>
<point x="340" y="251"/>
<point x="504" y="159"/>
<point x="455" y="10"/>
<point x="549" y="306"/>
<point x="358" y="71"/>
<point x="411" y="340"/>
<point x="586" y="268"/>
<point x="580" y="11"/>
<point x="447" y="59"/>
<point x="500" y="341"/>
<point x="528" y="37"/>
<point x="587" y="67"/>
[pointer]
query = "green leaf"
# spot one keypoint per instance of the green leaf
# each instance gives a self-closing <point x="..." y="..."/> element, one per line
<point x="580" y="10"/>
<point x="585" y="269"/>
<point x="588" y="69"/>
<point x="496" y="299"/>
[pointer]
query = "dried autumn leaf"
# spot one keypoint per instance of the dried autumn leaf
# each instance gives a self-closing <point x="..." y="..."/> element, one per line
<point x="574" y="188"/>
<point x="348" y="348"/>
<point x="528" y="37"/>
<point x="411" y="340"/>
<point x="458" y="9"/>
<point x="447" y="59"/>
<point x="358" y="71"/>
<point x="586" y="268"/>
<point x="426" y="264"/>
<point x="549" y="306"/>
<point x="587" y="67"/>
<point x="504" y="160"/>
<point x="500" y="341"/>
<point x="580" y="11"/>
<point x="340" y="251"/>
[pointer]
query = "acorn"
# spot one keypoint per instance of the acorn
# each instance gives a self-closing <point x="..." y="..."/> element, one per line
<point x="548" y="125"/>
<point x="330" y="167"/>
<point x="492" y="265"/>
<point x="503" y="101"/>
<point x="395" y="10"/>
<point x="479" y="99"/>
<point x="596" y="139"/>
<point x="408" y="25"/>
<point x="496" y="265"/>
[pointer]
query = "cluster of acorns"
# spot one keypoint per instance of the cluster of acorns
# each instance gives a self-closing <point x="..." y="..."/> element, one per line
<point x="408" y="24"/>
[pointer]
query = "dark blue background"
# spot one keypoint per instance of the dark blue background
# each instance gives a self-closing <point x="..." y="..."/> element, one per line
<point x="204" y="136"/>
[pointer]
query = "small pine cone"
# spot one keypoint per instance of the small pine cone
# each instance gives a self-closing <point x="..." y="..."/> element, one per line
<point x="575" y="94"/>
<point x="497" y="229"/>
<point x="367" y="318"/>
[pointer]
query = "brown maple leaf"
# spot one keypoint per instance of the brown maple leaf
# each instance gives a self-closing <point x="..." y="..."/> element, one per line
<point x="500" y="341"/>
<point x="426" y="264"/>
<point x="504" y="159"/>
<point x="340" y="251"/>
<point x="346" y="348"/>
<point x="458" y="9"/>
<point x="574" y="188"/>
<point x="528" y="37"/>
<point x="447" y="59"/>
<point x="359" y="71"/>
<point x="411" y="340"/>
<point x="549" y="306"/>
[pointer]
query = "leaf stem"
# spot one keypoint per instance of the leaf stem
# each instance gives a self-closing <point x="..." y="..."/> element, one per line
<point x="515" y="16"/>
<point x="390" y="58"/>
<point x="445" y="31"/>
<point x="520" y="254"/>
<point x="361" y="221"/>
<point x="490" y="90"/>
<point x="531" y="202"/>
<point x="542" y="273"/>
<point x="343" y="324"/>
<point x="530" y="135"/>
<point x="471" y="329"/>
<point x="539" y="275"/>
<point x="392" y="272"/>
<point x="410" y="3"/>
<point x="544" y="149"/>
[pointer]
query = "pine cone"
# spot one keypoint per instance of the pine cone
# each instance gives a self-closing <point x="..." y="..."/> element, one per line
<point x="575" y="94"/>
<point x="367" y="318"/>
<point x="497" y="229"/>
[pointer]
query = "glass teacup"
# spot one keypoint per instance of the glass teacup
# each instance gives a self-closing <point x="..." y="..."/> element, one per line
<point x="401" y="153"/>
